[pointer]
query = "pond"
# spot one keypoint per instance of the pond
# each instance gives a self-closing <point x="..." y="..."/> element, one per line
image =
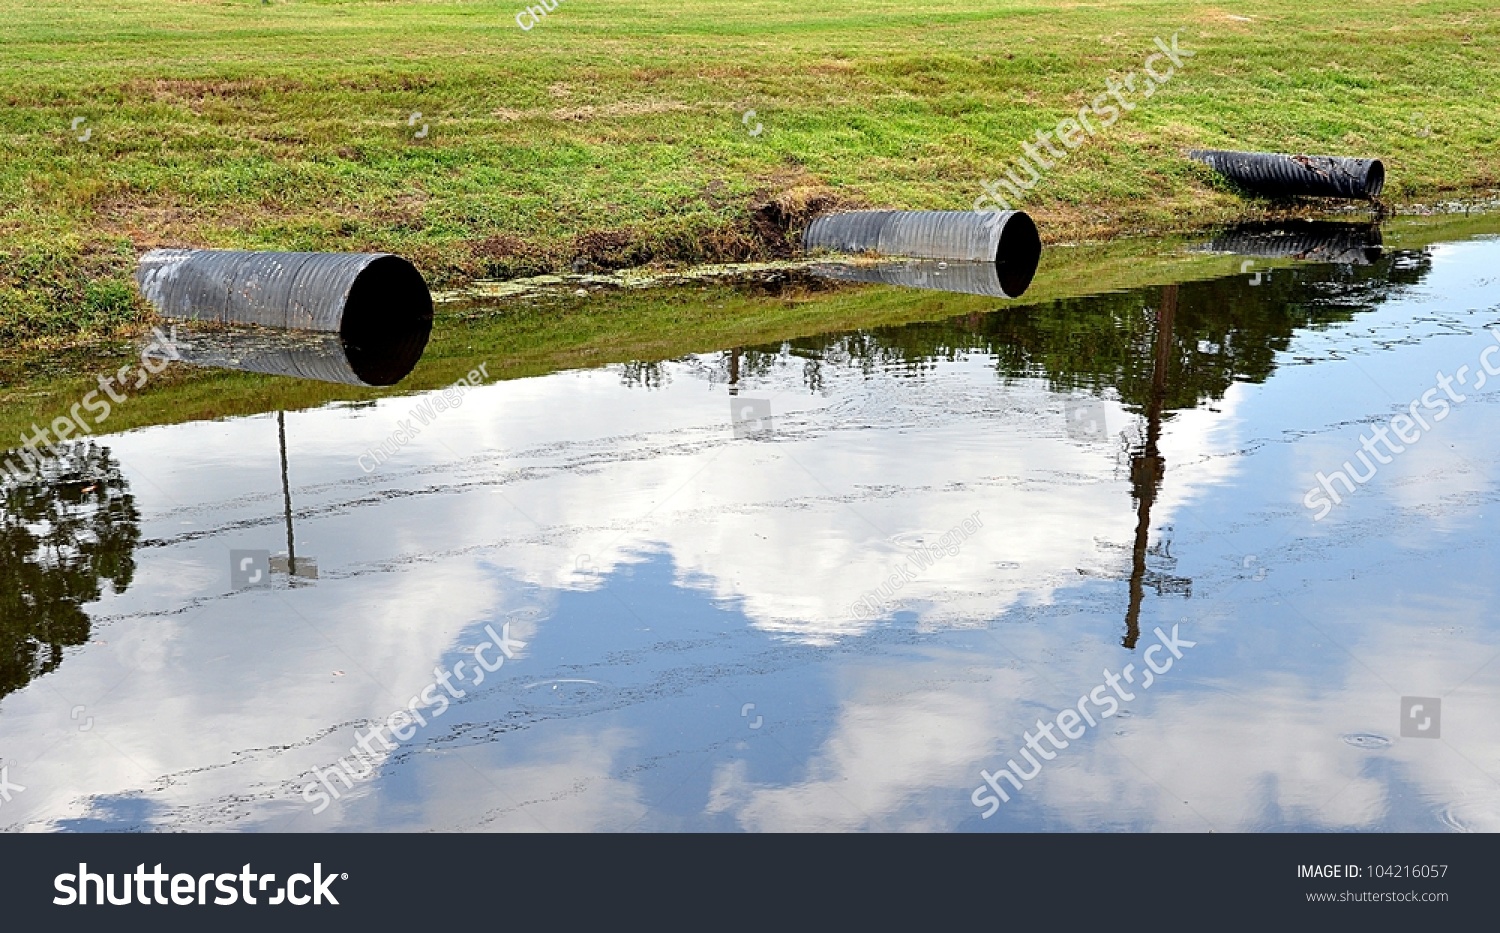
<point x="1205" y="553"/>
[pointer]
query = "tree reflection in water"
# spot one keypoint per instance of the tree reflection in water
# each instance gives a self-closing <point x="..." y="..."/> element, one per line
<point x="1157" y="350"/>
<point x="63" y="533"/>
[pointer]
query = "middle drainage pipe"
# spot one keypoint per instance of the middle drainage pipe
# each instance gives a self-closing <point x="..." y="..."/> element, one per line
<point x="1008" y="239"/>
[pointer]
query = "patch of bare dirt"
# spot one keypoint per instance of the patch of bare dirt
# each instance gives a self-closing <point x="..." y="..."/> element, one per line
<point x="782" y="210"/>
<point x="608" y="249"/>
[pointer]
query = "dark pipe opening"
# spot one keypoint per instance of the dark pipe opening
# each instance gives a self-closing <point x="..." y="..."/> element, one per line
<point x="1018" y="253"/>
<point x="1375" y="179"/>
<point x="387" y="321"/>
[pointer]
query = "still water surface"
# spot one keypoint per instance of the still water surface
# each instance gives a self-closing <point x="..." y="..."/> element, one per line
<point x="832" y="618"/>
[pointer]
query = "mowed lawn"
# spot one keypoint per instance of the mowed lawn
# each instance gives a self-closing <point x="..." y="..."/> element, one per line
<point x="617" y="132"/>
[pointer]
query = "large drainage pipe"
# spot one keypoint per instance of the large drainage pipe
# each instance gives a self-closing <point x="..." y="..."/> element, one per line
<point x="1006" y="239"/>
<point x="376" y="303"/>
<point x="1277" y="175"/>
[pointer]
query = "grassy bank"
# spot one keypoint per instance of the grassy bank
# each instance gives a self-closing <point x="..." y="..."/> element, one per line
<point x="527" y="338"/>
<point x="612" y="134"/>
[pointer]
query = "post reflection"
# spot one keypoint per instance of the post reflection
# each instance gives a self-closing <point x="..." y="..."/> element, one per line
<point x="1147" y="470"/>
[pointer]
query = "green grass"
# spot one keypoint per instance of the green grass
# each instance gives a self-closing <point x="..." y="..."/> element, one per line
<point x="612" y="133"/>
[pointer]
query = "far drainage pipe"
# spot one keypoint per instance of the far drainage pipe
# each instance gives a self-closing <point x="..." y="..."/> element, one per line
<point x="373" y="301"/>
<point x="1278" y="175"/>
<point x="1008" y="239"/>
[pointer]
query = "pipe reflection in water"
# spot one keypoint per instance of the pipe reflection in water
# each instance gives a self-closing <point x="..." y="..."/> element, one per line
<point x="358" y="357"/>
<point x="63" y="533"/>
<point x="1008" y="278"/>
<point x="1309" y="240"/>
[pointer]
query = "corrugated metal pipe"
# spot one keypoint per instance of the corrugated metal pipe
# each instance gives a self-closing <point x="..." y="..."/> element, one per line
<point x="1006" y="239"/>
<point x="1277" y="175"/>
<point x="1312" y="241"/>
<point x="378" y="304"/>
